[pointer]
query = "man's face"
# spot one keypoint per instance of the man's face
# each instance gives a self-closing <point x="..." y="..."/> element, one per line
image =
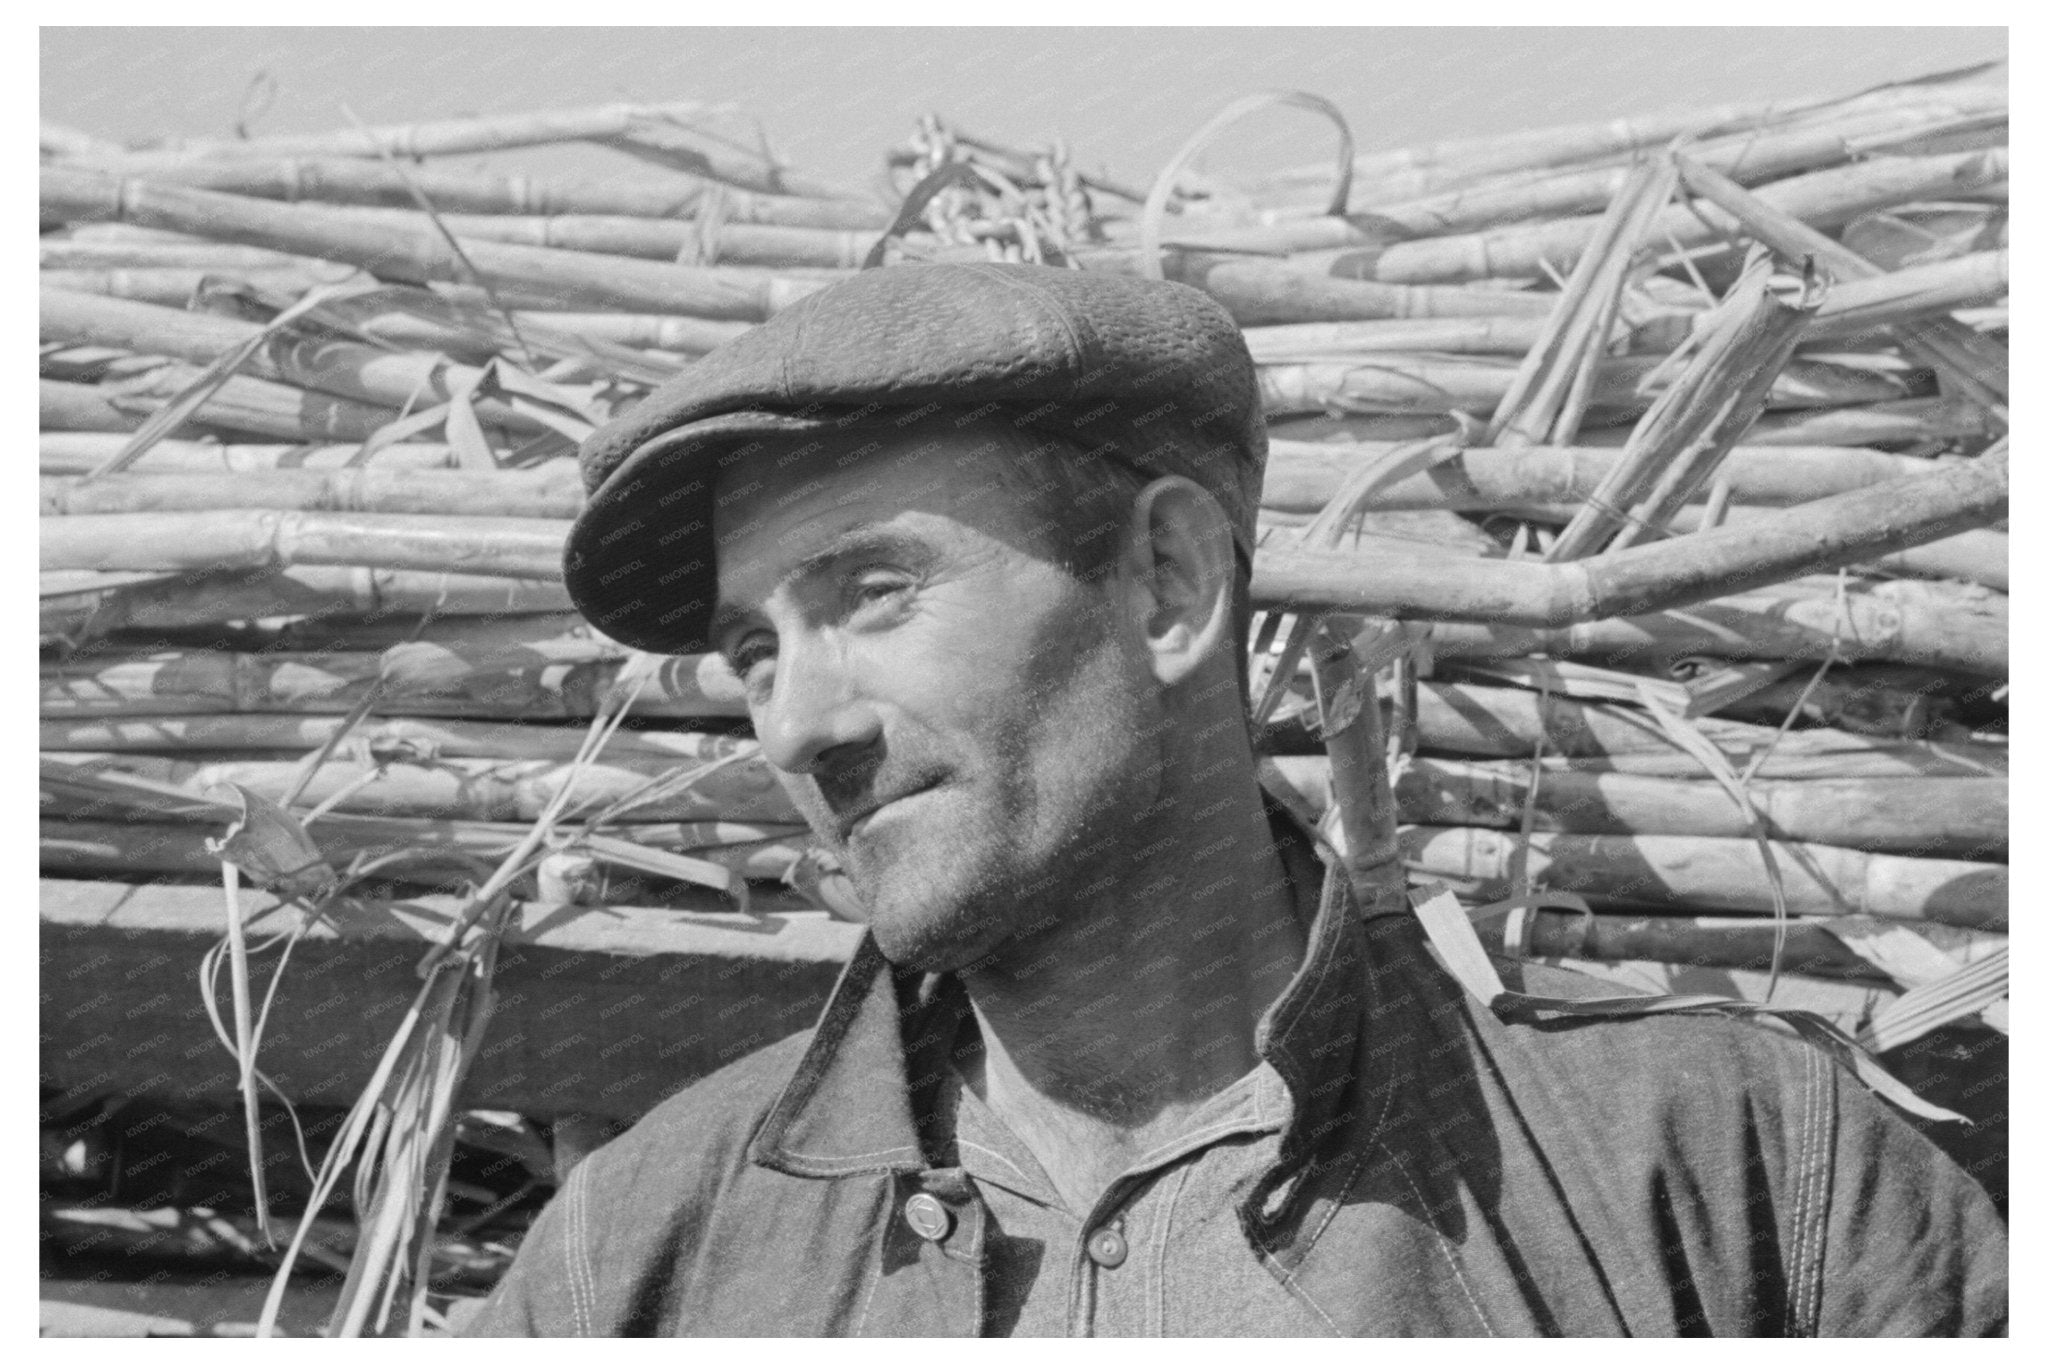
<point x="966" y="725"/>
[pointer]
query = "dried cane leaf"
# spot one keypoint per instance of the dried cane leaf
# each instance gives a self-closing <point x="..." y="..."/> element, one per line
<point x="1893" y="948"/>
<point x="1687" y="736"/>
<point x="1963" y="993"/>
<point x="1450" y="932"/>
<point x="1169" y="178"/>
<point x="273" y="849"/>
<point x="204" y="385"/>
<point x="690" y="870"/>
<point x="465" y="432"/>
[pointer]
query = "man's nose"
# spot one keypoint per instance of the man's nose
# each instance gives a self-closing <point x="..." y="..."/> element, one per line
<point x="814" y="706"/>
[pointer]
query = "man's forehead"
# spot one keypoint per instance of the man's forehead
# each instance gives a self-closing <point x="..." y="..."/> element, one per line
<point x="772" y="474"/>
<point x="796" y="497"/>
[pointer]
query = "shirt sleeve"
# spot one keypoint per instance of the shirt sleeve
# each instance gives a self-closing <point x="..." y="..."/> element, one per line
<point x="1912" y="1246"/>
<point x="545" y="1292"/>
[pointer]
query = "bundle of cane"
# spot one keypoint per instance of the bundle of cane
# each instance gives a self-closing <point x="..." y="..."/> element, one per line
<point x="1636" y="567"/>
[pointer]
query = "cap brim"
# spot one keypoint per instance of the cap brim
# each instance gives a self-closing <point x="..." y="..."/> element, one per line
<point x="640" y="562"/>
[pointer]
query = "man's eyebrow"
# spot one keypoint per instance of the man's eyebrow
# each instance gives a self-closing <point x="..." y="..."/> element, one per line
<point x="856" y="541"/>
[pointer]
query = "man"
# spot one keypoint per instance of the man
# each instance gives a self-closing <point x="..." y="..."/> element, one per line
<point x="1115" y="1056"/>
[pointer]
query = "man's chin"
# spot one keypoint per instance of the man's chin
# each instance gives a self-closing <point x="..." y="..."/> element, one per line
<point x="926" y="929"/>
<point x="913" y="940"/>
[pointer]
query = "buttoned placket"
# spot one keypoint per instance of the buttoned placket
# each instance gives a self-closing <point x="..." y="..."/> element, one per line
<point x="1115" y="1256"/>
<point x="940" y="1211"/>
<point x="1116" y="1284"/>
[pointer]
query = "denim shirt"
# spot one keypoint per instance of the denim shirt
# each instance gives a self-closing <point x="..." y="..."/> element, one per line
<point x="1437" y="1172"/>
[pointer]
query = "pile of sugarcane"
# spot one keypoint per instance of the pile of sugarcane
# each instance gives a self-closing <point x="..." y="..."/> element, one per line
<point x="1649" y="474"/>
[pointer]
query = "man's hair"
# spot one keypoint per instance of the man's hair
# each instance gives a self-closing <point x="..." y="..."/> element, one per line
<point x="1083" y="501"/>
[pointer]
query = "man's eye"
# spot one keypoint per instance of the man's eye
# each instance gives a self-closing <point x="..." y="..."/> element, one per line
<point x="748" y="653"/>
<point x="875" y="590"/>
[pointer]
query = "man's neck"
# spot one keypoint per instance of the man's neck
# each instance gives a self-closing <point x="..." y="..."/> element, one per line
<point x="1103" y="1034"/>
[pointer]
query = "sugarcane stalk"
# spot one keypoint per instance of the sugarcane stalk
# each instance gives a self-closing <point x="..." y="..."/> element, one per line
<point x="1720" y="874"/>
<point x="1975" y="362"/>
<point x="422" y="255"/>
<point x="1370" y="428"/>
<point x="451" y="788"/>
<point x="1354" y="736"/>
<point x="62" y="141"/>
<point x="667" y="140"/>
<point x="1724" y="943"/>
<point x="242" y="404"/>
<point x="1472" y="720"/>
<point x="378" y="594"/>
<point x="1908" y="421"/>
<point x="1883" y="700"/>
<point x="1261" y="292"/>
<point x="1823" y="534"/>
<point x="1748" y="157"/>
<point x="1545" y="148"/>
<point x="437" y="849"/>
<point x="64" y="453"/>
<point x="1902" y="295"/>
<point x="182" y="253"/>
<point x="734" y="243"/>
<point x="176" y="286"/>
<point x="259" y="407"/>
<point x="1690" y="428"/>
<point x="1309" y="342"/>
<point x="1955" y="817"/>
<point x="682" y="335"/>
<point x="1936" y="625"/>
<point x="1973" y="556"/>
<point x="375" y="184"/>
<point x="219" y="682"/>
<point x="1950" y="631"/>
<point x="347" y="369"/>
<point x="1301" y="476"/>
<point x="1845" y="528"/>
<point x="1396" y="382"/>
<point x="1929" y="817"/>
<point x="494" y="546"/>
<point x="1906" y="760"/>
<point x="375" y="737"/>
<point x="68" y="408"/>
<point x="1553" y="384"/>
<point x="550" y="492"/>
<point x="654" y="132"/>
<point x="1821" y="199"/>
<point x="1508" y="722"/>
<point x="1452" y="720"/>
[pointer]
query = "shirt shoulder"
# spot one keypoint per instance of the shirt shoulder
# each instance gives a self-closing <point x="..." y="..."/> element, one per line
<point x="632" y="1208"/>
<point x="702" y="1128"/>
<point x="1877" y="1231"/>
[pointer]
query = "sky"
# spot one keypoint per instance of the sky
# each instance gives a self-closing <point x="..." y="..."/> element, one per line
<point x="831" y="101"/>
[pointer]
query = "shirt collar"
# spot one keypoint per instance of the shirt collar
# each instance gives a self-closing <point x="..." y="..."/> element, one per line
<point x="865" y="1097"/>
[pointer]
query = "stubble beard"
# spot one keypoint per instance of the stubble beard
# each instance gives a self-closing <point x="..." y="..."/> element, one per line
<point x="1008" y="849"/>
<point x="966" y="893"/>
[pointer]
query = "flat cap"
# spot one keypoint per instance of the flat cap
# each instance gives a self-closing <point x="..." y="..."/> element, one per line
<point x="1152" y="375"/>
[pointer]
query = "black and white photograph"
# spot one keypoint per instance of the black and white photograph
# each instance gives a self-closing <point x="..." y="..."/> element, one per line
<point x="1023" y="679"/>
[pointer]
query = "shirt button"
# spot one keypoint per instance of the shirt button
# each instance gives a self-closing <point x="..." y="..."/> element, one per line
<point x="927" y="1216"/>
<point x="1108" y="1248"/>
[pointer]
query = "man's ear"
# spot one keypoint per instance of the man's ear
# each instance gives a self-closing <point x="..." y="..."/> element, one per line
<point x="1183" y="560"/>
